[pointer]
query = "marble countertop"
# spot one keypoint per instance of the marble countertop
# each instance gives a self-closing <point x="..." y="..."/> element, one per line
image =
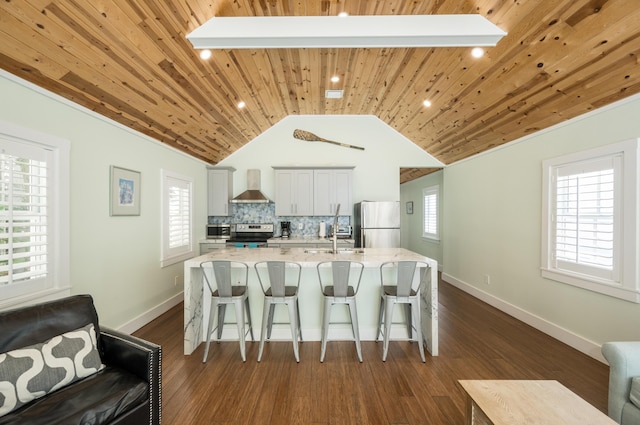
<point x="370" y="257"/>
<point x="306" y="240"/>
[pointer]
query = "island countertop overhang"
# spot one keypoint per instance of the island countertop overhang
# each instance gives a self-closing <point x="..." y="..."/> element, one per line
<point x="370" y="257"/>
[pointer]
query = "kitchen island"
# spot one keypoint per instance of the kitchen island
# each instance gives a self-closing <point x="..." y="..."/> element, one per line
<point x="197" y="300"/>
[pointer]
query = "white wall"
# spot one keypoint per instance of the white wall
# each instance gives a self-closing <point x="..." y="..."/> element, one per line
<point x="411" y="224"/>
<point x="377" y="173"/>
<point x="115" y="259"/>
<point x="492" y="227"/>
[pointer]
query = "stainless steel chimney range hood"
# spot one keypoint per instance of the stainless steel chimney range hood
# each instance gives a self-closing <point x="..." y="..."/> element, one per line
<point x="252" y="195"/>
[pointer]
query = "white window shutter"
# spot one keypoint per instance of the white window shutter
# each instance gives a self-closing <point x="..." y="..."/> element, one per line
<point x="177" y="231"/>
<point x="23" y="215"/>
<point x="430" y="225"/>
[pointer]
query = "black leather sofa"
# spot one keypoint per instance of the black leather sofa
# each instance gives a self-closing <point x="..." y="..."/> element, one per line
<point x="127" y="390"/>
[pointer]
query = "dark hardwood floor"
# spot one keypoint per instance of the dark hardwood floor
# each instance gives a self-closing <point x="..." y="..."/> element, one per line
<point x="476" y="342"/>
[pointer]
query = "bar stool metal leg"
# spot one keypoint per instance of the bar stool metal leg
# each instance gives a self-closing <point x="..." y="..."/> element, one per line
<point x="239" y="305"/>
<point x="293" y="320"/>
<point x="354" y="325"/>
<point x="388" y="316"/>
<point x="325" y="328"/>
<point x="415" y="305"/>
<point x="265" y="324"/>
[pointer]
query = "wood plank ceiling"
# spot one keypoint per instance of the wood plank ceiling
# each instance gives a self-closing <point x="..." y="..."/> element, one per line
<point x="130" y="61"/>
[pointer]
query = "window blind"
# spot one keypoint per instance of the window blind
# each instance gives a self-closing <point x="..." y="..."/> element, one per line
<point x="179" y="214"/>
<point x="177" y="218"/>
<point x="430" y="212"/>
<point x="585" y="216"/>
<point x="430" y="208"/>
<point x="23" y="218"/>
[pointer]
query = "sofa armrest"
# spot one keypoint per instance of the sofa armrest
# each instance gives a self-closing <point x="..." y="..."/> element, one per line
<point x="624" y="364"/>
<point x="139" y="357"/>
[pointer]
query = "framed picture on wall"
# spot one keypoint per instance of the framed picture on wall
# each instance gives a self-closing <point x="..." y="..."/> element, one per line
<point x="124" y="192"/>
<point x="410" y="207"/>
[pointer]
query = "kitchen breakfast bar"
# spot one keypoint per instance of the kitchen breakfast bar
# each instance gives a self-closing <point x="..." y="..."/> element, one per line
<point x="197" y="297"/>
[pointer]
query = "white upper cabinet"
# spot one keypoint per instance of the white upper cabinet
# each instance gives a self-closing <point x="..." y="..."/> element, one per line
<point x="219" y="191"/>
<point x="294" y="192"/>
<point x="332" y="187"/>
<point x="313" y="191"/>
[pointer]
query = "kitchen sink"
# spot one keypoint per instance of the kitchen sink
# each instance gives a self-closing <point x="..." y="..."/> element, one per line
<point x="330" y="251"/>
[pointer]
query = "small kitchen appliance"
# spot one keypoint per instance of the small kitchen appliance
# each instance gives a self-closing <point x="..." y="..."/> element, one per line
<point x="285" y="229"/>
<point x="218" y="231"/>
<point x="250" y="235"/>
<point x="344" y="232"/>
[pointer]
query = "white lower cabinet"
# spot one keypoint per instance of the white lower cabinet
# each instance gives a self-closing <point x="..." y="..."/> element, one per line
<point x="206" y="247"/>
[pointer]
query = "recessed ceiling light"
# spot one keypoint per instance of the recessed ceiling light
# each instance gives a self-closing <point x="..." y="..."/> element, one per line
<point x="333" y="94"/>
<point x="205" y="54"/>
<point x="426" y="103"/>
<point x="477" y="52"/>
<point x="343" y="14"/>
<point x="241" y="105"/>
<point x="335" y="79"/>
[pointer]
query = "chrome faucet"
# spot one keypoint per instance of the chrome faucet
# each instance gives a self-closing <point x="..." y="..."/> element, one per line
<point x="335" y="230"/>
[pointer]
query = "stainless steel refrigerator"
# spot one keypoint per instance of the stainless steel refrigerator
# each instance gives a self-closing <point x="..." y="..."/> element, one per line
<point x="377" y="224"/>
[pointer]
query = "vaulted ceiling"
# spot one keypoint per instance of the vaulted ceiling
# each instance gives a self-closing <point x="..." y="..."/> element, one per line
<point x="130" y="61"/>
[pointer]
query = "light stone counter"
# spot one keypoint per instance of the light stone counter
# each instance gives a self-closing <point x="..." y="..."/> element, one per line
<point x="197" y="305"/>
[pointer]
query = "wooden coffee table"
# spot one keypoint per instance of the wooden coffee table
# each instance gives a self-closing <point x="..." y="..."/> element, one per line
<point x="527" y="402"/>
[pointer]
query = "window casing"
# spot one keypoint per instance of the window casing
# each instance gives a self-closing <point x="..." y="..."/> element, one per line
<point x="590" y="220"/>
<point x="177" y="218"/>
<point x="431" y="222"/>
<point x="34" y="216"/>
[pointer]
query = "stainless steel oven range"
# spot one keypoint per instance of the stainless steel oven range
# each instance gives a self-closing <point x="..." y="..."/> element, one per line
<point x="250" y="235"/>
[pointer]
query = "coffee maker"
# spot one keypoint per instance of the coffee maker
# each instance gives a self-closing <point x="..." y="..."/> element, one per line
<point x="285" y="229"/>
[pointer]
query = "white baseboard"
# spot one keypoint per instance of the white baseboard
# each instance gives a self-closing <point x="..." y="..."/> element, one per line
<point x="581" y="344"/>
<point x="148" y="316"/>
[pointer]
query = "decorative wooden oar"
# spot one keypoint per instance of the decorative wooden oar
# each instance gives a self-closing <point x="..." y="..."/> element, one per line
<point x="310" y="137"/>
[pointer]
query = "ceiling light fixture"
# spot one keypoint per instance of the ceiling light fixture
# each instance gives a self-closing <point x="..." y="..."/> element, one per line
<point x="335" y="79"/>
<point x="477" y="52"/>
<point x="255" y="32"/>
<point x="241" y="105"/>
<point x="205" y="54"/>
<point x="343" y="14"/>
<point x="426" y="103"/>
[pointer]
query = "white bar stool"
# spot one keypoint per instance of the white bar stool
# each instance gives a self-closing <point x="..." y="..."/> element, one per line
<point x="273" y="278"/>
<point x="340" y="286"/>
<point x="397" y="287"/>
<point x="218" y="275"/>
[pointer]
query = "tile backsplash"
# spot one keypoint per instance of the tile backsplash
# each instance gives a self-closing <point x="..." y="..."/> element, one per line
<point x="266" y="213"/>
